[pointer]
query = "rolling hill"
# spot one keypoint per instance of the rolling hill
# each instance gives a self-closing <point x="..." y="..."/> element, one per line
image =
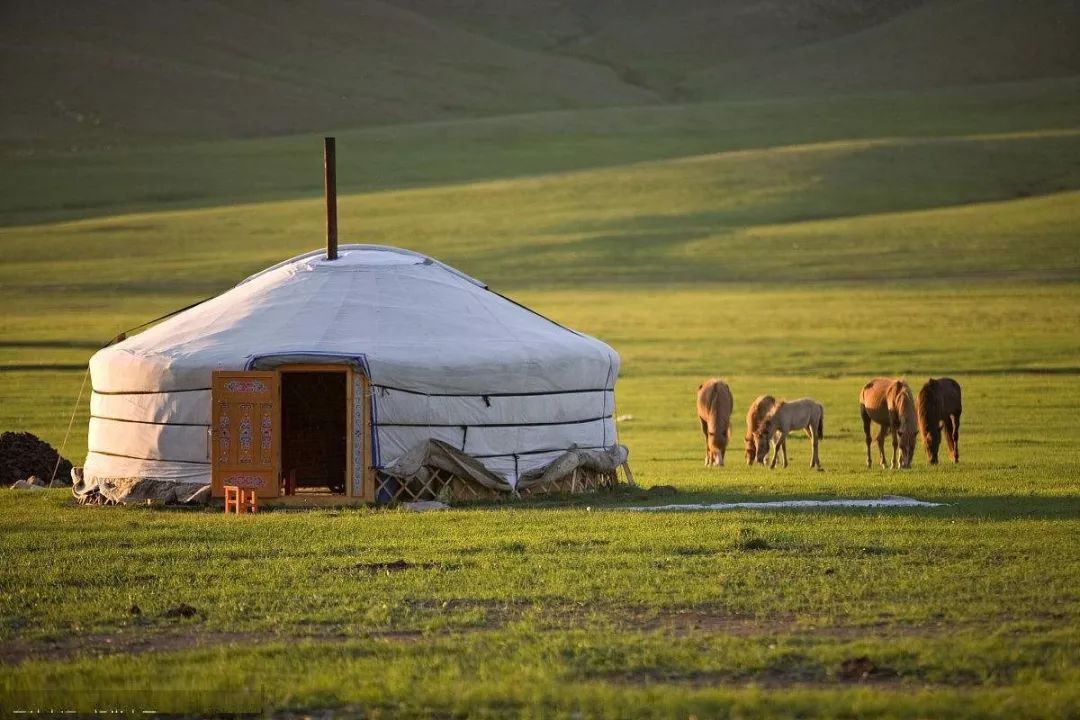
<point x="953" y="44"/>
<point x="97" y="74"/>
<point x="126" y="70"/>
<point x="38" y="187"/>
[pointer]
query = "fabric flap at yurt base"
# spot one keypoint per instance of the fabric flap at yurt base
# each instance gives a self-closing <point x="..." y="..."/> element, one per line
<point x="437" y="469"/>
<point x="431" y="470"/>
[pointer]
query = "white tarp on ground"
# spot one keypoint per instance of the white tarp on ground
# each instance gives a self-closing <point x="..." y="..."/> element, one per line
<point x="883" y="502"/>
<point x="447" y="359"/>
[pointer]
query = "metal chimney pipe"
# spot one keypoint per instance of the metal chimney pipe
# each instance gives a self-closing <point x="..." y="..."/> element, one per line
<point x="330" y="183"/>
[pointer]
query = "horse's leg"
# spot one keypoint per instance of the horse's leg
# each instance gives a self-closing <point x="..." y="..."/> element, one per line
<point x="815" y="461"/>
<point x="954" y="437"/>
<point x="866" y="431"/>
<point x="705" y="432"/>
<point x="950" y="439"/>
<point x="783" y="444"/>
<point x="777" y="446"/>
<point x="895" y="447"/>
<point x="881" y="445"/>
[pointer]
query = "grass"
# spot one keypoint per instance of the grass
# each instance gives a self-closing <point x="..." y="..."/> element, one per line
<point x="789" y="213"/>
<point x="797" y="259"/>
<point x="549" y="608"/>
<point x="553" y="609"/>
<point x="40" y="185"/>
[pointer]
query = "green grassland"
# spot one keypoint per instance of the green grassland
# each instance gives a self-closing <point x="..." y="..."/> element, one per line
<point x="792" y="241"/>
<point x="690" y="267"/>
<point x="49" y="185"/>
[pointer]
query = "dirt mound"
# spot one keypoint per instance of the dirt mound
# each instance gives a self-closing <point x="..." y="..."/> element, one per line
<point x="395" y="566"/>
<point x="25" y="454"/>
<point x="183" y="610"/>
<point x="863" y="668"/>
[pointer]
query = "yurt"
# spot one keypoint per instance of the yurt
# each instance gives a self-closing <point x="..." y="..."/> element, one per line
<point x="378" y="375"/>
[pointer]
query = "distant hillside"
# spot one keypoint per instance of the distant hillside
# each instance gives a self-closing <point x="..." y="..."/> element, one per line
<point x="108" y="71"/>
<point x="111" y="69"/>
<point x="941" y="44"/>
<point x="657" y="44"/>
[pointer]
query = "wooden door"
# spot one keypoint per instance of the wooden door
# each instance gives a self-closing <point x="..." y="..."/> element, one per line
<point x="246" y="431"/>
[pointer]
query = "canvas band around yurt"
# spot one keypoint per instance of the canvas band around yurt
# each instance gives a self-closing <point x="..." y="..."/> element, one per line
<point x="379" y="375"/>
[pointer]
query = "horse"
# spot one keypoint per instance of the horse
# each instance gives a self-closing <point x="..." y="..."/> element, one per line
<point x="889" y="403"/>
<point x="806" y="414"/>
<point x="938" y="406"/>
<point x="757" y="412"/>
<point x="714" y="403"/>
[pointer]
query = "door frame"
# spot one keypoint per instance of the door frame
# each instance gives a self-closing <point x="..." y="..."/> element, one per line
<point x="367" y="487"/>
<point x="353" y="375"/>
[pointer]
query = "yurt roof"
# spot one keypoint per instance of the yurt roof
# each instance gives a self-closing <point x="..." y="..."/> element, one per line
<point x="410" y="321"/>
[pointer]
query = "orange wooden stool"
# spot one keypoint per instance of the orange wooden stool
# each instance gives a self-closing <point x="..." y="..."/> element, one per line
<point x="240" y="499"/>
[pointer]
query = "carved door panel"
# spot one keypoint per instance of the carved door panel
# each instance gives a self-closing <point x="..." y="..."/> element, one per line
<point x="245" y="431"/>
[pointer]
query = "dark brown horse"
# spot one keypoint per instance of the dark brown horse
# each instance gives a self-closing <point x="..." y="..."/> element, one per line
<point x="939" y="408"/>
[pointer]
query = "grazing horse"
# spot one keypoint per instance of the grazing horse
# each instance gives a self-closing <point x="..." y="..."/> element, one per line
<point x="754" y="417"/>
<point x="714" y="403"/>
<point x="939" y="406"/>
<point x="806" y="414"/>
<point x="889" y="403"/>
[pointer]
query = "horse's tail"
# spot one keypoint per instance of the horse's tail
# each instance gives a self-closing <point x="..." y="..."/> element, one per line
<point x="924" y="405"/>
<point x="821" y="424"/>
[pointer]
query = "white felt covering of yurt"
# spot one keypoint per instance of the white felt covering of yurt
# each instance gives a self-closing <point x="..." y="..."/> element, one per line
<point x="447" y="359"/>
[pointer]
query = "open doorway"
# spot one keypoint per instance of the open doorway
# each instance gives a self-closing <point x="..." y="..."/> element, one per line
<point x="315" y="431"/>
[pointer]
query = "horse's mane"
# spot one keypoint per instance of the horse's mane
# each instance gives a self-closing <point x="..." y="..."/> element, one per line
<point x="900" y="391"/>
<point x="902" y="399"/>
<point x="760" y="427"/>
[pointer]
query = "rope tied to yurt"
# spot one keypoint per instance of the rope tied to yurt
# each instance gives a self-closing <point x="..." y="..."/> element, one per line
<point x="119" y="337"/>
<point x="74" y="412"/>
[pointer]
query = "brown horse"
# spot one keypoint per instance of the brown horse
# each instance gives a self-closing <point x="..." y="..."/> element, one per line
<point x="889" y="403"/>
<point x="803" y="414"/>
<point x="939" y="406"/>
<point x="754" y="417"/>
<point x="714" y="403"/>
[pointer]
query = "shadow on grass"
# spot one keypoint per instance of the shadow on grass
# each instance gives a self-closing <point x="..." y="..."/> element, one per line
<point x="43" y="367"/>
<point x="985" y="507"/>
<point x="1014" y="370"/>
<point x="18" y="344"/>
<point x="991" y="507"/>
